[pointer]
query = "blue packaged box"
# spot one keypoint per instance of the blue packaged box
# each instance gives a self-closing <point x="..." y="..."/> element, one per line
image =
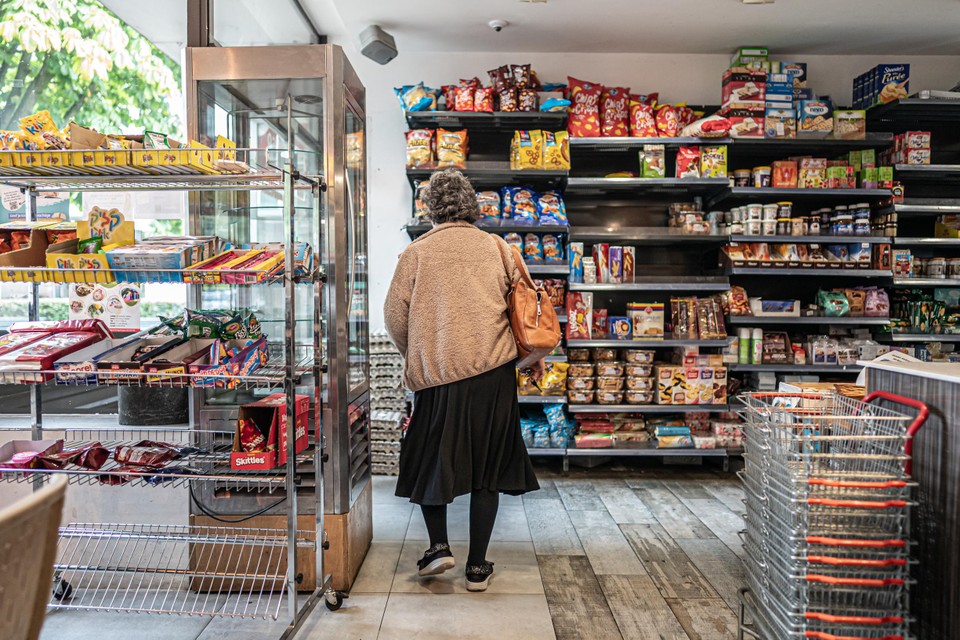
<point x="892" y="82"/>
<point x="814" y="118"/>
<point x="802" y="94"/>
<point x="797" y="71"/>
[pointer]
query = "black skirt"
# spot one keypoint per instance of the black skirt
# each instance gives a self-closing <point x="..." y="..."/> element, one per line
<point x="465" y="436"/>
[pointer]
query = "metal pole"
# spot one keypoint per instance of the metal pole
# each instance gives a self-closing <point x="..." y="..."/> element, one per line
<point x="290" y="321"/>
<point x="33" y="314"/>
<point x="200" y="23"/>
<point x="319" y="369"/>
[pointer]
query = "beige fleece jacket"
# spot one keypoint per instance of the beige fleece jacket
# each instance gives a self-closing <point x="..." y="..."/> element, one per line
<point x="447" y="310"/>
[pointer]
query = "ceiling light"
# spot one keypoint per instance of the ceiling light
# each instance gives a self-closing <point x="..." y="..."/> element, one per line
<point x="757" y="1"/>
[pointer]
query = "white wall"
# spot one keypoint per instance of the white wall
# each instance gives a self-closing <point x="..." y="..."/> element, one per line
<point x="691" y="78"/>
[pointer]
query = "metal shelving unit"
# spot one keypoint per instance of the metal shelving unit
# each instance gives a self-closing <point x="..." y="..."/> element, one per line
<point x="813" y="271"/>
<point x="673" y="186"/>
<point x="642" y="235"/>
<point x="647" y="408"/>
<point x="648" y="344"/>
<point x="917" y="337"/>
<point x="659" y="283"/>
<point x="795" y="368"/>
<point x="926" y="242"/>
<point x="813" y="239"/>
<point x="925" y="282"/>
<point x="418" y="228"/>
<point x="496" y="174"/>
<point x="807" y="320"/>
<point x="498" y="121"/>
<point x="542" y="399"/>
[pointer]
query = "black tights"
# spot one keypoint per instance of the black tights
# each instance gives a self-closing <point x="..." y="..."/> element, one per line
<point x="483" y="515"/>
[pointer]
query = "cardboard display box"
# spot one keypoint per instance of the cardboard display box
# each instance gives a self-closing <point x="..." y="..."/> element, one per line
<point x="270" y="416"/>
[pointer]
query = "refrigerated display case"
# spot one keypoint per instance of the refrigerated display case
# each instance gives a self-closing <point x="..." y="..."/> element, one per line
<point x="240" y="93"/>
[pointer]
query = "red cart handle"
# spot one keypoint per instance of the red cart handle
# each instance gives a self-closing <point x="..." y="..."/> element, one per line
<point x="857" y="562"/>
<point x="857" y="504"/>
<point x="826" y="617"/>
<point x="866" y="544"/>
<point x="922" y="416"/>
<point x="844" y="484"/>
<point x="820" y="635"/>
<point x="854" y="582"/>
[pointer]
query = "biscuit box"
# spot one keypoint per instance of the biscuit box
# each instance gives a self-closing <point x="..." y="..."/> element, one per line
<point x="815" y="118"/>
<point x="892" y="82"/>
<point x="269" y="417"/>
<point x="745" y="123"/>
<point x="780" y="123"/>
<point x="744" y="87"/>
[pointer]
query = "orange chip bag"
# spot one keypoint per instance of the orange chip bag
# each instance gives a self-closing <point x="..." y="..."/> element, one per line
<point x="584" y="119"/>
<point x="614" y="111"/>
<point x="451" y="148"/>
<point x="642" y="122"/>
<point x="463" y="98"/>
<point x="419" y="148"/>
<point x="666" y="119"/>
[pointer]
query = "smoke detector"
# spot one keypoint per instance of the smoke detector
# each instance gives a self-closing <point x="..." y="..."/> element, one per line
<point x="498" y="25"/>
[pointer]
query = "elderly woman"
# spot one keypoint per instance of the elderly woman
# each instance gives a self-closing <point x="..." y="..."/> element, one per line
<point x="447" y="313"/>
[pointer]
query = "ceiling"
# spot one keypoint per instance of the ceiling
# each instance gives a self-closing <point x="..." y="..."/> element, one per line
<point x="873" y="27"/>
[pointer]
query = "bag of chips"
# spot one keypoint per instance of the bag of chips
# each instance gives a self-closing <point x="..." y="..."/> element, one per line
<point x="520" y="205"/>
<point x="417" y="97"/>
<point x="553" y="382"/>
<point x="451" y="148"/>
<point x="463" y="98"/>
<point x="527" y="99"/>
<point x="551" y="209"/>
<point x="419" y="148"/>
<point x="514" y="240"/>
<point x="419" y="203"/>
<point x="489" y="202"/>
<point x="483" y="99"/>
<point x="552" y="248"/>
<point x="529" y="149"/>
<point x="833" y="303"/>
<point x="449" y="92"/>
<point x="556" y="150"/>
<point x="521" y="75"/>
<point x="508" y="99"/>
<point x="532" y="248"/>
<point x="877" y="303"/>
<point x="500" y="78"/>
<point x="555" y="105"/>
<point x="615" y="111"/>
<point x="688" y="162"/>
<point x="710" y="127"/>
<point x="666" y="118"/>
<point x="584" y="120"/>
<point x="642" y="122"/>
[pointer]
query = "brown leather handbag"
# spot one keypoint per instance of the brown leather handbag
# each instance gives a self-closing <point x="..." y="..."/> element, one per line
<point x="536" y="328"/>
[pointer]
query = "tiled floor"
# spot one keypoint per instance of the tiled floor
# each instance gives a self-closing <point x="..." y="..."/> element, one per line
<point x="594" y="554"/>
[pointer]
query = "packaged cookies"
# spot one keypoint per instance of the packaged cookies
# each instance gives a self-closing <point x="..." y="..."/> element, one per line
<point x="639" y="397"/>
<point x="581" y="383"/>
<point x="579" y="355"/>
<point x="638" y="356"/>
<point x="713" y="161"/>
<point x="639" y="384"/>
<point x="639" y="370"/>
<point x="603" y="354"/>
<point x="609" y="397"/>
<point x="580" y="370"/>
<point x="580" y="397"/>
<point x="609" y="383"/>
<point x="609" y="369"/>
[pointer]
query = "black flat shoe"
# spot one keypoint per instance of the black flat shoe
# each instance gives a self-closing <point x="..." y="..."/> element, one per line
<point x="436" y="560"/>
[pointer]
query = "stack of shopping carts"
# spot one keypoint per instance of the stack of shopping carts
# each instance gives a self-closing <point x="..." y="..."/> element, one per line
<point x="827" y="541"/>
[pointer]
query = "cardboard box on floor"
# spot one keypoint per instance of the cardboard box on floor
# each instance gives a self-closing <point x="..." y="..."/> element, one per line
<point x="270" y="416"/>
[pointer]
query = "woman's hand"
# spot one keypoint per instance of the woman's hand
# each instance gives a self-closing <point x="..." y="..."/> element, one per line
<point x="537" y="369"/>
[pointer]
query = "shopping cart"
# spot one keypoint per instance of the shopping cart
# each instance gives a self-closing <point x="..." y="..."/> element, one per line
<point x="828" y="500"/>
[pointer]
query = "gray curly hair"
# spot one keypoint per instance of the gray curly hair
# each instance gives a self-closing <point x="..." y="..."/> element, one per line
<point x="450" y="197"/>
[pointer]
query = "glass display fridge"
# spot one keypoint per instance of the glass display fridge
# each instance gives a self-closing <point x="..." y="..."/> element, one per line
<point x="261" y="98"/>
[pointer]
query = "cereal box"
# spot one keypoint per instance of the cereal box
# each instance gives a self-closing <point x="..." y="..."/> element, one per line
<point x="647" y="320"/>
<point x="713" y="161"/>
<point x="815" y="118"/>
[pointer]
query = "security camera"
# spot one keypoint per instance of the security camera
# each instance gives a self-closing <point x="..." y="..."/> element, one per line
<point x="498" y="25"/>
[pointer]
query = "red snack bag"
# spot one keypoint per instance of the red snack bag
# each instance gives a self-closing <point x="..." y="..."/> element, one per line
<point x="527" y="99"/>
<point x="154" y="455"/>
<point x="579" y="314"/>
<point x="483" y="99"/>
<point x="19" y="239"/>
<point x="508" y="99"/>
<point x="688" y="162"/>
<point x="251" y="438"/>
<point x="449" y="96"/>
<point x="685" y="115"/>
<point x="666" y="119"/>
<point x="5" y="246"/>
<point x="642" y="122"/>
<point x="584" y="119"/>
<point x="615" y="112"/>
<point x="649" y="98"/>
<point x="500" y="78"/>
<point x="463" y="96"/>
<point x="521" y="74"/>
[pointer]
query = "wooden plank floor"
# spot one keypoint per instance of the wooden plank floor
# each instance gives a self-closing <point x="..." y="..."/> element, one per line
<point x="649" y="555"/>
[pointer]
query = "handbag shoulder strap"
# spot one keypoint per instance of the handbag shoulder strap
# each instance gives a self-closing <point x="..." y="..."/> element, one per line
<point x="506" y="267"/>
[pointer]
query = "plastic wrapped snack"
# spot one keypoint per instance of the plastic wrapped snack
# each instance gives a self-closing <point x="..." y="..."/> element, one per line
<point x="556" y="151"/>
<point x="688" y="162"/>
<point x="526" y="384"/>
<point x="532" y="248"/>
<point x="514" y="240"/>
<point x="578" y="355"/>
<point x="580" y="397"/>
<point x="609" y="397"/>
<point x="639" y="397"/>
<point x="581" y="383"/>
<point x="529" y="149"/>
<point x="609" y="383"/>
<point x="489" y="202"/>
<point x="584" y="119"/>
<point x="638" y="356"/>
<point x="642" y="121"/>
<point x="527" y="99"/>
<point x="551" y="208"/>
<point x="508" y="99"/>
<point x="713" y="161"/>
<point x="615" y="111"/>
<point x="451" y="148"/>
<point x="419" y="148"/>
<point x="520" y="205"/>
<point x="554" y="378"/>
<point x="552" y="248"/>
<point x="833" y="303"/>
<point x="710" y="127"/>
<point x="666" y="119"/>
<point x="639" y="384"/>
<point x="483" y="99"/>
<point x="417" y="97"/>
<point x="581" y="369"/>
<point x="604" y="354"/>
<point x="579" y="317"/>
<point x="610" y="369"/>
<point x="639" y="370"/>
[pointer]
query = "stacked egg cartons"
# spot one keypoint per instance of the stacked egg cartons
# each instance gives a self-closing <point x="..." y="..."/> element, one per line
<point x="610" y="376"/>
<point x="388" y="405"/>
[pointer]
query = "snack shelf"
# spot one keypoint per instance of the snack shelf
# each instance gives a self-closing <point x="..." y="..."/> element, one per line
<point x="927" y="242"/>
<point x="492" y="174"/>
<point x="210" y="463"/>
<point x="673" y="186"/>
<point x="503" y="121"/>
<point x="659" y="283"/>
<point x="813" y="320"/>
<point x="542" y="399"/>
<point x="555" y="359"/>
<point x="416" y="229"/>
<point x="646" y="408"/>
<point x="632" y="143"/>
<point x="647" y="344"/>
<point x="927" y="206"/>
<point x="547" y="452"/>
<point x="814" y="239"/>
<point x="158" y="276"/>
<point x="646" y="449"/>
<point x="914" y="110"/>
<point x="812" y="271"/>
<point x="925" y="282"/>
<point x="795" y="368"/>
<point x="174" y="569"/>
<point x="774" y="194"/>
<point x="938" y="173"/>
<point x="270" y="375"/>
<point x="557" y="268"/>
<point x="917" y="337"/>
<point x="642" y="235"/>
<point x="809" y="146"/>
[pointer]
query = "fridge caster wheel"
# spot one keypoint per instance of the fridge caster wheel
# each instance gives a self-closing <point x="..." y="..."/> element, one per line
<point x="62" y="590"/>
<point x="334" y="599"/>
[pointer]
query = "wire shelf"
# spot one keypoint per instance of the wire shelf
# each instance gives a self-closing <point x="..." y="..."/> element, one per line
<point x="188" y="275"/>
<point x="268" y="376"/>
<point x="252" y="169"/>
<point x="207" y="461"/>
<point x="174" y="569"/>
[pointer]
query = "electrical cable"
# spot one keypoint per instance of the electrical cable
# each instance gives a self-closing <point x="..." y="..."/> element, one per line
<point x="217" y="516"/>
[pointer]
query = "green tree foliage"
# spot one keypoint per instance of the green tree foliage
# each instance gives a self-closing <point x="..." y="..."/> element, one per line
<point x="79" y="61"/>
